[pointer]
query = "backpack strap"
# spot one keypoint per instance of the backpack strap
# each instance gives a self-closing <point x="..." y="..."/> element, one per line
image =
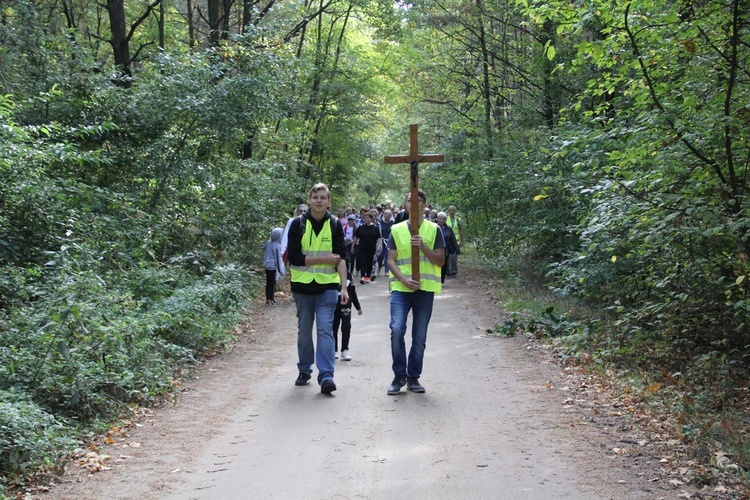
<point x="303" y="226"/>
<point x="334" y="221"/>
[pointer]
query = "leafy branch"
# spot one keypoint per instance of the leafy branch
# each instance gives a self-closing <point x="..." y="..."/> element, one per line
<point x="657" y="102"/>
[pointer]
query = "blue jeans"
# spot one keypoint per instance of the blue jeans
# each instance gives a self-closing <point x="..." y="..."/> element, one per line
<point x="420" y="304"/>
<point x="318" y="308"/>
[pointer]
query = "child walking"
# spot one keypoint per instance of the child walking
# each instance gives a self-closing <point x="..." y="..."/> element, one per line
<point x="273" y="264"/>
<point x="343" y="316"/>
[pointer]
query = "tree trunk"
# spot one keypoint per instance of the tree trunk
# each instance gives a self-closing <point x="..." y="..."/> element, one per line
<point x="214" y="21"/>
<point x="486" y="90"/>
<point x="162" y="17"/>
<point x="247" y="13"/>
<point x="191" y="24"/>
<point x="247" y="147"/>
<point x="119" y="41"/>
<point x="225" y="18"/>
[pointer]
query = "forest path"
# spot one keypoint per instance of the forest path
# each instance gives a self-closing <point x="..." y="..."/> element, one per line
<point x="496" y="421"/>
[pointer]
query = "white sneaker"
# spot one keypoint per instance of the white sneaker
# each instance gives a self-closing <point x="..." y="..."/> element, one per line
<point x="336" y="355"/>
<point x="345" y="355"/>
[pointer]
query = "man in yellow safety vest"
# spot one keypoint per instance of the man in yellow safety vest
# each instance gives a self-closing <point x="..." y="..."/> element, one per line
<point x="317" y="255"/>
<point x="408" y="294"/>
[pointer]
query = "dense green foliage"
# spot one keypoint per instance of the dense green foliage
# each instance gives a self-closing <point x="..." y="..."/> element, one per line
<point x="635" y="195"/>
<point x="599" y="149"/>
<point x="115" y="243"/>
<point x="626" y="191"/>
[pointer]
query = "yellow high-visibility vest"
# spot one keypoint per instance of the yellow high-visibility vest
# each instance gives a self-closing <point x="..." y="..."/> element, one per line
<point x="429" y="273"/>
<point x="316" y="246"/>
<point x="453" y="223"/>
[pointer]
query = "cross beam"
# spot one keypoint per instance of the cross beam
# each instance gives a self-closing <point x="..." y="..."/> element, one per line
<point x="414" y="159"/>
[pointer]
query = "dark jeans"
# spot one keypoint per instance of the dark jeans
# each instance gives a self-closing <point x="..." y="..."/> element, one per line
<point x="366" y="256"/>
<point x="342" y="316"/>
<point x="270" y="283"/>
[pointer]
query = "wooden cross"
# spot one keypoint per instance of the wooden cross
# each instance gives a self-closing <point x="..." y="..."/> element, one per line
<point x="414" y="159"/>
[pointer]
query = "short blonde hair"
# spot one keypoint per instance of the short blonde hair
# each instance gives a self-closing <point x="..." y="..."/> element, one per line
<point x="320" y="187"/>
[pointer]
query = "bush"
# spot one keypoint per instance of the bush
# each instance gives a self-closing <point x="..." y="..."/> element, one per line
<point x="87" y="345"/>
<point x="200" y="317"/>
<point x="29" y="436"/>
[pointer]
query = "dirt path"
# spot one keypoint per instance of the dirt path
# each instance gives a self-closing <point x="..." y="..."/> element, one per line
<point x="495" y="422"/>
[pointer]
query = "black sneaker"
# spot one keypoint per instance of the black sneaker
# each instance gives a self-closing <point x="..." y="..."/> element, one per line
<point x="414" y="385"/>
<point x="302" y="378"/>
<point x="396" y="385"/>
<point x="328" y="386"/>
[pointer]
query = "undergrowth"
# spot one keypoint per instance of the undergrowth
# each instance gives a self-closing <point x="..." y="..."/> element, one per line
<point x="78" y="349"/>
<point x="706" y="394"/>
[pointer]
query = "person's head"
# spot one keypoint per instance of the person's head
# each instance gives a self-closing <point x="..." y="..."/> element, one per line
<point x="426" y="212"/>
<point x="374" y="214"/>
<point x="301" y="209"/>
<point x="276" y="234"/>
<point x="452" y="211"/>
<point x="422" y="200"/>
<point x="433" y="214"/>
<point x="441" y="218"/>
<point x="387" y="214"/>
<point x="319" y="199"/>
<point x="341" y="213"/>
<point x="366" y="218"/>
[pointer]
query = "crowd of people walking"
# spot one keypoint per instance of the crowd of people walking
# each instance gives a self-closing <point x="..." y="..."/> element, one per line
<point x="326" y="253"/>
<point x="367" y="232"/>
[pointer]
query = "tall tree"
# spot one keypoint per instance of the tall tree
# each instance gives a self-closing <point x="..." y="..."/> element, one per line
<point x="120" y="37"/>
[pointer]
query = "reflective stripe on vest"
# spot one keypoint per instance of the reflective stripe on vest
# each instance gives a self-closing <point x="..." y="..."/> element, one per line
<point x="316" y="246"/>
<point x="429" y="273"/>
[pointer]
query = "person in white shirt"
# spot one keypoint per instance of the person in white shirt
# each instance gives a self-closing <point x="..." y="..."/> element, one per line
<point x="301" y="209"/>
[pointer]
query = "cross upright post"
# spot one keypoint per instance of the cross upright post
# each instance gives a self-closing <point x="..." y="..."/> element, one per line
<point x="414" y="159"/>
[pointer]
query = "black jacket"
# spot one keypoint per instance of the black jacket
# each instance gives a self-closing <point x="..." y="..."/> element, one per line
<point x="297" y="258"/>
